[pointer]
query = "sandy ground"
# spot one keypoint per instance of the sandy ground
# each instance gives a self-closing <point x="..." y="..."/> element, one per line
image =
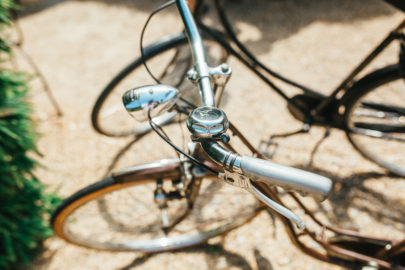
<point x="80" y="45"/>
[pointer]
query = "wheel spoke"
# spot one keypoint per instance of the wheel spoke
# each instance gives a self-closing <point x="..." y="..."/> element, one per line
<point x="376" y="119"/>
<point x="376" y="134"/>
<point x="380" y="127"/>
<point x="399" y="111"/>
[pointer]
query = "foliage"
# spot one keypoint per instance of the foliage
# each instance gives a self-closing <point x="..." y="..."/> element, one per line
<point x="24" y="208"/>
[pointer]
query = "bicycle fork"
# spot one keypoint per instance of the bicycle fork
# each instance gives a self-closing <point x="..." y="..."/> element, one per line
<point x="187" y="187"/>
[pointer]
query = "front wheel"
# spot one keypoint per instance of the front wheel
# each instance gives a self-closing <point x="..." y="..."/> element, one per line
<point x="375" y="118"/>
<point x="125" y="212"/>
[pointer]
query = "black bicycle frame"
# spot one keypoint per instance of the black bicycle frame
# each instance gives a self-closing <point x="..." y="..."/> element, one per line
<point x="316" y="108"/>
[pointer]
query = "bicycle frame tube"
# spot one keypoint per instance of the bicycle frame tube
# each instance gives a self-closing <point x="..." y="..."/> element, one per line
<point x="345" y="84"/>
<point x="216" y="152"/>
<point x="200" y="63"/>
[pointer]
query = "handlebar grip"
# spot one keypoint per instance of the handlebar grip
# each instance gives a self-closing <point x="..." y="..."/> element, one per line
<point x="287" y="177"/>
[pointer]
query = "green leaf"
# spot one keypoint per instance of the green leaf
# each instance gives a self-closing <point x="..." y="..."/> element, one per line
<point x="24" y="206"/>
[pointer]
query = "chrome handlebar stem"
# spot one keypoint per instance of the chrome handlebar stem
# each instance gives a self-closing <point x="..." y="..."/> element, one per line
<point x="197" y="49"/>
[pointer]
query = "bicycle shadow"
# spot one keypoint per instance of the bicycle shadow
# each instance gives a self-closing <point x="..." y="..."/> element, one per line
<point x="271" y="20"/>
<point x="277" y="20"/>
<point x="286" y="18"/>
<point x="215" y="256"/>
<point x="354" y="195"/>
<point x="352" y="192"/>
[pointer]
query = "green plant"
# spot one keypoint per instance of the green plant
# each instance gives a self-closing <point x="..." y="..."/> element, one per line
<point x="24" y="207"/>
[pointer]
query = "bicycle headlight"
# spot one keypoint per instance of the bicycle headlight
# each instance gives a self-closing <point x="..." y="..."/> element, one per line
<point x="158" y="98"/>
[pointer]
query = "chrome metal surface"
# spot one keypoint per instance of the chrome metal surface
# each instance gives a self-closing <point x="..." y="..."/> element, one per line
<point x="149" y="167"/>
<point x="232" y="169"/>
<point x="197" y="49"/>
<point x="222" y="156"/>
<point x="241" y="181"/>
<point x="163" y="243"/>
<point x="232" y="163"/>
<point x="236" y="179"/>
<point x="186" y="175"/>
<point x="287" y="177"/>
<point x="275" y="206"/>
<point x="192" y="75"/>
<point x="161" y="98"/>
<point x="221" y="74"/>
<point x="207" y="122"/>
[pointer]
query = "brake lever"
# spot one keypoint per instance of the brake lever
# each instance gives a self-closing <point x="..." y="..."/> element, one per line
<point x="241" y="181"/>
<point x="276" y="206"/>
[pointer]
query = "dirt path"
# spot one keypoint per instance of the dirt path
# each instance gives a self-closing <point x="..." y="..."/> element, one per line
<point x="80" y="45"/>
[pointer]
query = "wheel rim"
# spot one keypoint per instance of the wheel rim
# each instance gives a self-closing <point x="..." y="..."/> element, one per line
<point x="376" y="125"/>
<point x="129" y="220"/>
<point x="170" y="67"/>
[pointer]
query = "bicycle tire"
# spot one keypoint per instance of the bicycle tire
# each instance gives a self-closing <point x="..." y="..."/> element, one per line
<point x="374" y="118"/>
<point x="94" y="217"/>
<point x="108" y="115"/>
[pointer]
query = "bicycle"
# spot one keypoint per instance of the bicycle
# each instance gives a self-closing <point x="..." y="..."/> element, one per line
<point x="183" y="217"/>
<point x="374" y="123"/>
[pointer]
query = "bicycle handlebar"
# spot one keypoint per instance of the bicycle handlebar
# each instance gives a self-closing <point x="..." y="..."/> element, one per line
<point x="208" y="124"/>
<point x="287" y="177"/>
<point x="254" y="168"/>
<point x="269" y="172"/>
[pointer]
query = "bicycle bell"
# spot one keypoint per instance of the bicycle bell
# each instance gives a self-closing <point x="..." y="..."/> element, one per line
<point x="207" y="122"/>
<point x="158" y="98"/>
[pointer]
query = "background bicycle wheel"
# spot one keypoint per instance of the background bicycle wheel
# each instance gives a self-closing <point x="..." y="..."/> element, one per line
<point x="80" y="45"/>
